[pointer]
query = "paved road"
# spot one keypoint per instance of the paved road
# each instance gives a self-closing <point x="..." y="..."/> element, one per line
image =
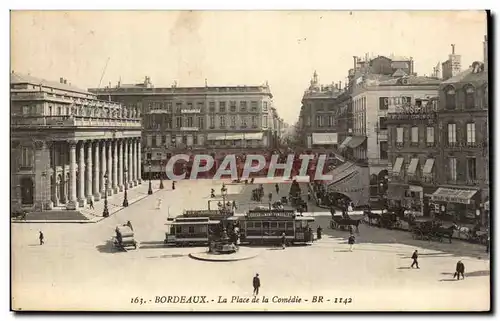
<point x="76" y="268"/>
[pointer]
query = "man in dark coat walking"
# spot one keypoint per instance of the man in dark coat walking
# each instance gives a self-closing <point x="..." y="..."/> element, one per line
<point x="415" y="259"/>
<point x="277" y="188"/>
<point x="460" y="270"/>
<point x="256" y="284"/>
<point x="40" y="237"/>
<point x="351" y="241"/>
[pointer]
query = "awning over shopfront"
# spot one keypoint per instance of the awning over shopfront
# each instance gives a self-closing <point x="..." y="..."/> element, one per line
<point x="356" y="141"/>
<point x="345" y="142"/>
<point x="396" y="169"/>
<point x="353" y="181"/>
<point x="429" y="164"/>
<point x="234" y="136"/>
<point x="462" y="196"/>
<point x="324" y="138"/>
<point x="413" y="166"/>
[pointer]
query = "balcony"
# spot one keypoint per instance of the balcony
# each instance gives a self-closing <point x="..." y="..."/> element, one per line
<point x="465" y="145"/>
<point x="400" y="144"/>
<point x="74" y="121"/>
<point x="189" y="129"/>
<point x="191" y="111"/>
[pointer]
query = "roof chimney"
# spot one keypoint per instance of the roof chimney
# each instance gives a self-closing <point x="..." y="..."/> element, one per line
<point x="452" y="49"/>
<point x="340" y="85"/>
<point x="65" y="81"/>
<point x="355" y="62"/>
<point x="61" y="80"/>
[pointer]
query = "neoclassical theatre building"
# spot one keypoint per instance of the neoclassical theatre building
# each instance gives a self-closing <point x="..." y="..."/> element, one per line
<point x="67" y="146"/>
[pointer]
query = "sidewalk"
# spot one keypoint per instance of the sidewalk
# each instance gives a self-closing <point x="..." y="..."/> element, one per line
<point x="134" y="195"/>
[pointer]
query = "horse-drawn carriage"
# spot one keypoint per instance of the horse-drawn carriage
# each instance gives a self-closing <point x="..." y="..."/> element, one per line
<point x="431" y="230"/>
<point x="341" y="222"/>
<point x="124" y="238"/>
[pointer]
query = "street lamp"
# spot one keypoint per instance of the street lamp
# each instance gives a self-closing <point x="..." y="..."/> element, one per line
<point x="150" y="189"/>
<point x="125" y="200"/>
<point x="161" y="172"/>
<point x="223" y="192"/>
<point x="105" y="212"/>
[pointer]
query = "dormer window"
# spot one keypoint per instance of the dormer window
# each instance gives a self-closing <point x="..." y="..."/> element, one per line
<point x="450" y="98"/>
<point x="470" y="99"/>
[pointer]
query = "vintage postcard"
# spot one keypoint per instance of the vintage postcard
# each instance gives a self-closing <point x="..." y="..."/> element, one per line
<point x="249" y="161"/>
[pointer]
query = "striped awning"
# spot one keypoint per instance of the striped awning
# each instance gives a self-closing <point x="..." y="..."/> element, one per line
<point x="453" y="195"/>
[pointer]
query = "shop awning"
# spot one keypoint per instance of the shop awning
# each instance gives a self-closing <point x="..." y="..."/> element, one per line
<point x="396" y="169"/>
<point x="234" y="136"/>
<point x="324" y="138"/>
<point x="216" y="136"/>
<point x="413" y="166"/>
<point x="353" y="181"/>
<point x="452" y="195"/>
<point x="252" y="136"/>
<point x="356" y="141"/>
<point x="429" y="164"/>
<point x="345" y="142"/>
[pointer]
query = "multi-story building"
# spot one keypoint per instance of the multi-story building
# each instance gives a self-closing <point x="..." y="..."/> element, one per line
<point x="373" y="96"/>
<point x="317" y="122"/>
<point x="64" y="140"/>
<point x="210" y="119"/>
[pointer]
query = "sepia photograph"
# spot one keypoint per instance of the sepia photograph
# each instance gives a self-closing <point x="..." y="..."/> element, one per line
<point x="249" y="161"/>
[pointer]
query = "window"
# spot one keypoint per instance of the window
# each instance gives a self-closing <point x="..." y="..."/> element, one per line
<point x="471" y="133"/>
<point x="159" y="140"/>
<point x="319" y="122"/>
<point x="178" y="107"/>
<point x="470" y="101"/>
<point x="384" y="148"/>
<point x="222" y="121"/>
<point x="254" y="121"/>
<point x="253" y="106"/>
<point x="264" y="121"/>
<point x="430" y="135"/>
<point x="190" y="121"/>
<point x="331" y="121"/>
<point x="232" y="106"/>
<point x="383" y="103"/>
<point x="399" y="135"/>
<point x="195" y="139"/>
<point x="264" y="106"/>
<point x="452" y="168"/>
<point x="50" y="110"/>
<point x="26" y="157"/>
<point x="169" y="107"/>
<point x="190" y="106"/>
<point x="148" y="155"/>
<point x="450" y="101"/>
<point x="331" y="107"/>
<point x="233" y="121"/>
<point x="59" y="111"/>
<point x="414" y="135"/>
<point x="184" y="140"/>
<point x="199" y="106"/>
<point x="452" y="133"/>
<point x="471" y="169"/>
<point x="243" y="106"/>
<point x="382" y="123"/>
<point x="212" y="121"/>
<point x="154" y="140"/>
<point x="243" y="121"/>
<point x="222" y="107"/>
<point x="211" y="106"/>
<point x="178" y="122"/>
<point x="201" y="122"/>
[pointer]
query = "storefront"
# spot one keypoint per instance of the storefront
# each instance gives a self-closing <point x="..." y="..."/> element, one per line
<point x="460" y="205"/>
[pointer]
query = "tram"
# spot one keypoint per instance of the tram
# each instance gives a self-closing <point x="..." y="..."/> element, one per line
<point x="261" y="226"/>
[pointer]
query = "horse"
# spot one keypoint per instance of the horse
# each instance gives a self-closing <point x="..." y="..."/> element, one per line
<point x="340" y="221"/>
<point x="441" y="232"/>
<point x="373" y="216"/>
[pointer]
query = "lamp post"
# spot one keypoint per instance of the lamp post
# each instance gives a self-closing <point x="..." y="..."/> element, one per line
<point x="223" y="192"/>
<point x="125" y="200"/>
<point x="105" y="212"/>
<point x="150" y="189"/>
<point x="161" y="172"/>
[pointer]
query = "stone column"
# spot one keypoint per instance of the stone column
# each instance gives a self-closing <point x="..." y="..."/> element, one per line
<point x="104" y="168"/>
<point x="133" y="162"/>
<point x="125" y="161"/>
<point x="88" y="183"/>
<point x="109" y="158"/>
<point x="130" y="164"/>
<point x="120" y="165"/>
<point x="81" y="174"/>
<point x="114" y="183"/>
<point x="71" y="204"/>
<point x="139" y="162"/>
<point x="136" y="171"/>
<point x="97" y="172"/>
<point x="41" y="178"/>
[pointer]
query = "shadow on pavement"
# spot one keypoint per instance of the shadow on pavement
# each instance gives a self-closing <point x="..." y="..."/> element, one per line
<point x="478" y="273"/>
<point x="152" y="246"/>
<point x="167" y="256"/>
<point x="404" y="268"/>
<point x="107" y="248"/>
<point x="447" y="280"/>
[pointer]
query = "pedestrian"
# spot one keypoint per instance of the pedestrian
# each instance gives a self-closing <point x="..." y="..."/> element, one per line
<point x="173" y="185"/>
<point x="212" y="193"/>
<point x="460" y="270"/>
<point x="256" y="284"/>
<point x="234" y="205"/>
<point x="415" y="259"/>
<point x="91" y="202"/>
<point x="283" y="240"/>
<point x="309" y="196"/>
<point x="319" y="231"/>
<point x="158" y="204"/>
<point x="277" y="188"/>
<point x="351" y="241"/>
<point x="40" y="237"/>
<point x="270" y="197"/>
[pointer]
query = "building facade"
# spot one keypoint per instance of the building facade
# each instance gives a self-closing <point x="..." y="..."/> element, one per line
<point x="67" y="146"/>
<point x="210" y="119"/>
<point x="318" y="127"/>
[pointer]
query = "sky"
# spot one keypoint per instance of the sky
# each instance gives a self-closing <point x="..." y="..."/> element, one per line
<point x="283" y="48"/>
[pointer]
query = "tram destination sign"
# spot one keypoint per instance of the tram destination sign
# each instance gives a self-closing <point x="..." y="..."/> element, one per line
<point x="206" y="213"/>
<point x="270" y="214"/>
